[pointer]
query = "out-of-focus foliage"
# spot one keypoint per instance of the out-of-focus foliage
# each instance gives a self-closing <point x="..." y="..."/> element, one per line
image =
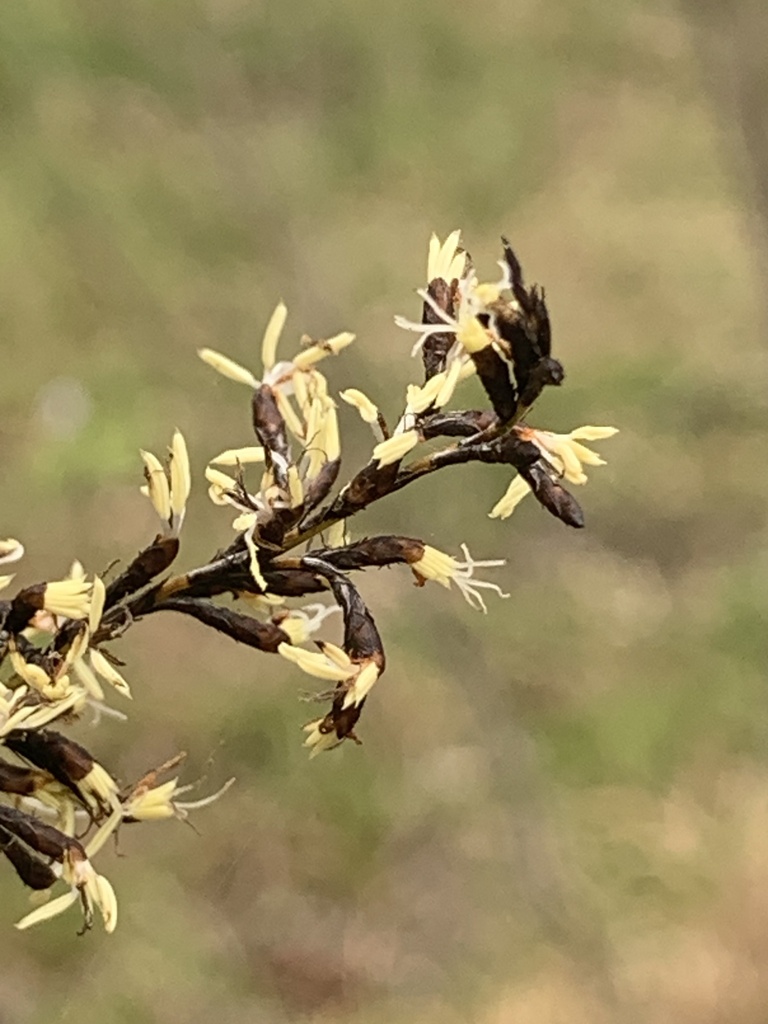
<point x="560" y="811"/>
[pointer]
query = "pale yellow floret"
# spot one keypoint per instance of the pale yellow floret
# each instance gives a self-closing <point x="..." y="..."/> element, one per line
<point x="152" y="804"/>
<point x="272" y="335"/>
<point x="319" y="741"/>
<point x="98" y="788"/>
<point x="569" y="455"/>
<point x="445" y="570"/>
<point x="11" y="550"/>
<point x="362" y="685"/>
<point x="87" y="887"/>
<point x="181" y="478"/>
<point x="314" y="353"/>
<point x="368" y="411"/>
<point x="314" y="664"/>
<point x="240" y="456"/>
<point x="395" y="448"/>
<point x="435" y="565"/>
<point x="443" y="260"/>
<point x="158" y="486"/>
<point x="14" y="714"/>
<point x="68" y="598"/>
<point x="227" y="367"/>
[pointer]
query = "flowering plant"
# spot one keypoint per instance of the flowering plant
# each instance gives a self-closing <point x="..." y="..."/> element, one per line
<point x="291" y="540"/>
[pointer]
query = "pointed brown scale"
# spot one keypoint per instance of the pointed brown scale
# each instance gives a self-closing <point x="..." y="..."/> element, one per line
<point x="21" y="781"/>
<point x="374" y="551"/>
<point x="148" y="564"/>
<point x="42" y="838"/>
<point x="269" y="425"/>
<point x="494" y="376"/>
<point x="245" y="629"/>
<point x="32" y="871"/>
<point x="554" y="497"/>
<point x="68" y="762"/>
<point x="437" y="346"/>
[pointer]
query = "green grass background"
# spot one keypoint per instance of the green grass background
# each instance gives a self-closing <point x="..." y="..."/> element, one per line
<point x="560" y="812"/>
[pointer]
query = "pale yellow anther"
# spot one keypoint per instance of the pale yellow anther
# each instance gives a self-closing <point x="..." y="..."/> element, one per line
<point x="449" y="385"/>
<point x="11" y="550"/>
<point x="300" y="392"/>
<point x="227" y="367"/>
<point x="68" y="598"/>
<point x="593" y="433"/>
<point x="98" y="596"/>
<point x="292" y="421"/>
<point x="314" y="353"/>
<point x="419" y="399"/>
<point x="104" y="668"/>
<point x="240" y="456"/>
<point x="435" y="565"/>
<point x="153" y="804"/>
<point x="362" y="685"/>
<point x="395" y="448"/>
<point x="336" y="534"/>
<point x="314" y="664"/>
<point x="158" y="486"/>
<point x="362" y="403"/>
<point x="253" y="562"/>
<point x="319" y="741"/>
<point x="444" y="261"/>
<point x="295" y="487"/>
<point x="272" y="335"/>
<point x="337" y="654"/>
<point x="512" y="497"/>
<point x="221" y="485"/>
<point x="181" y="478"/>
<point x="330" y="442"/>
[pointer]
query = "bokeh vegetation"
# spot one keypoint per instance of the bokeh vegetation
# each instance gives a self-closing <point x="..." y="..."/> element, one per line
<point x="561" y="809"/>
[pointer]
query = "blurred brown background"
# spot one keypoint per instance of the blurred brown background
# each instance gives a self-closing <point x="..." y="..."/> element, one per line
<point x="561" y="809"/>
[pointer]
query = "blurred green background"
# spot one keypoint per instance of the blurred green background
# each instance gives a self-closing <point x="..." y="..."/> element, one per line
<point x="560" y="812"/>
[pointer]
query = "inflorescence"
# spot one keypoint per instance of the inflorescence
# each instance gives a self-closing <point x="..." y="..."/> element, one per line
<point x="58" y="804"/>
